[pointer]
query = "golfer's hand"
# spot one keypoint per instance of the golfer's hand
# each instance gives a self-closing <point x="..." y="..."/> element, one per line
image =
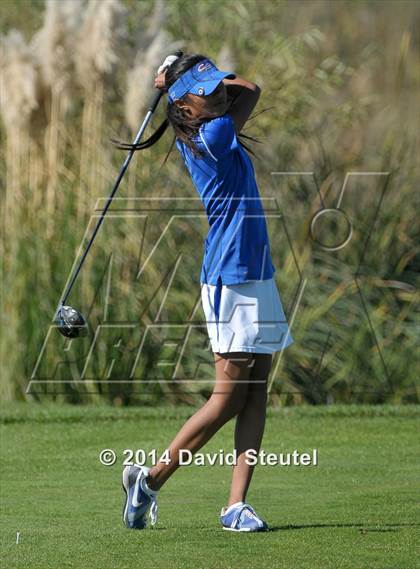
<point x="160" y="80"/>
<point x="160" y="74"/>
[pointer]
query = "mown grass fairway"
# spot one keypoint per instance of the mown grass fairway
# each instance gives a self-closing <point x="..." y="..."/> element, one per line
<point x="356" y="509"/>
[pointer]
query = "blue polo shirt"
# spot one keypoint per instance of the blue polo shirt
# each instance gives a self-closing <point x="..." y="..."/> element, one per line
<point x="237" y="246"/>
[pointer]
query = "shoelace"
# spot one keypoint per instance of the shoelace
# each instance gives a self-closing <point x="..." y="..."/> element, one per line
<point x="153" y="511"/>
<point x="242" y="508"/>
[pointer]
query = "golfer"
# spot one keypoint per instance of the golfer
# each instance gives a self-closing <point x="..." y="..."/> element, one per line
<point x="207" y="109"/>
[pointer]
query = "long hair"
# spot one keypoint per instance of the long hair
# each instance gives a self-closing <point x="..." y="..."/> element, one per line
<point x="184" y="126"/>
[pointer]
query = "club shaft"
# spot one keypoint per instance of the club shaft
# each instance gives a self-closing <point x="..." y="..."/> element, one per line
<point x="109" y="200"/>
<point x="151" y="109"/>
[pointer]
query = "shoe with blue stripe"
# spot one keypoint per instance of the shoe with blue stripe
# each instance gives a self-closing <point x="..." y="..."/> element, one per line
<point x="139" y="498"/>
<point x="241" y="517"/>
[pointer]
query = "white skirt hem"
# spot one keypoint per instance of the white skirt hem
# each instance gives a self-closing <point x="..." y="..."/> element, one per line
<point x="246" y="317"/>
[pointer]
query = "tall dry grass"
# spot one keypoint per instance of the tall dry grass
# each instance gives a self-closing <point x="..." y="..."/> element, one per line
<point x="341" y="78"/>
<point x="53" y="47"/>
<point x="97" y="53"/>
<point x="20" y="103"/>
<point x="24" y="124"/>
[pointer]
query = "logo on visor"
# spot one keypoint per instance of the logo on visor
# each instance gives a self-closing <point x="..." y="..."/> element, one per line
<point x="204" y="66"/>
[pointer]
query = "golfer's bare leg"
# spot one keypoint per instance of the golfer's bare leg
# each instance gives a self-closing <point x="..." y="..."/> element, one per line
<point x="228" y="398"/>
<point x="249" y="428"/>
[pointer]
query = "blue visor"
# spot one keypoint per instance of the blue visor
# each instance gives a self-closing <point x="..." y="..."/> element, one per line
<point x="202" y="79"/>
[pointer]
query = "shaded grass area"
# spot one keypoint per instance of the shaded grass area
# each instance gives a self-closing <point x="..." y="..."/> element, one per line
<point x="356" y="509"/>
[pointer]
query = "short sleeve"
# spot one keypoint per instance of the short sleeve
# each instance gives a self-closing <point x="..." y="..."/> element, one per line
<point x="218" y="136"/>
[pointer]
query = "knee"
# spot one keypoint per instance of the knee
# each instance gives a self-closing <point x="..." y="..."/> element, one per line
<point x="237" y="404"/>
<point x="257" y="398"/>
<point x="229" y="407"/>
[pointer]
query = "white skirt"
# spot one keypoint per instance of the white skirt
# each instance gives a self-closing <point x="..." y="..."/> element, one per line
<point x="245" y="317"/>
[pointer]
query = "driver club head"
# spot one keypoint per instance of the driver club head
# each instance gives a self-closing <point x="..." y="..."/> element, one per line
<point x="71" y="322"/>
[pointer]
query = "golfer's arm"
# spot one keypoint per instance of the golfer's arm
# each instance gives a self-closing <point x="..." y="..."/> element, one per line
<point x="243" y="96"/>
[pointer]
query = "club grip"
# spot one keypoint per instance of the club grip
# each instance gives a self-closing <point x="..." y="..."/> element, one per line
<point x="156" y="98"/>
<point x="155" y="101"/>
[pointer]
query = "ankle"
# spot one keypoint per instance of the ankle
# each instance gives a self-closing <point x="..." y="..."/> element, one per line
<point x="152" y="483"/>
<point x="233" y="501"/>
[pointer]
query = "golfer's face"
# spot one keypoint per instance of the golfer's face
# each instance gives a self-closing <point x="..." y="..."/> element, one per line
<point x="208" y="106"/>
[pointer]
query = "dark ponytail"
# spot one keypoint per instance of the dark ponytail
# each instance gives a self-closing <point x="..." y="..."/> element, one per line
<point x="184" y="126"/>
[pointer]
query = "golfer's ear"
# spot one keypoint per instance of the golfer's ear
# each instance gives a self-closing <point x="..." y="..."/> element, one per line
<point x="180" y="104"/>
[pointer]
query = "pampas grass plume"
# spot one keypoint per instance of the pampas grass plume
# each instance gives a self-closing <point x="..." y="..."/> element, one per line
<point x="19" y="82"/>
<point x="104" y="26"/>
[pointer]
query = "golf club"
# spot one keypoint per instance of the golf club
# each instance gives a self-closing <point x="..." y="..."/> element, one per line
<point x="71" y="323"/>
